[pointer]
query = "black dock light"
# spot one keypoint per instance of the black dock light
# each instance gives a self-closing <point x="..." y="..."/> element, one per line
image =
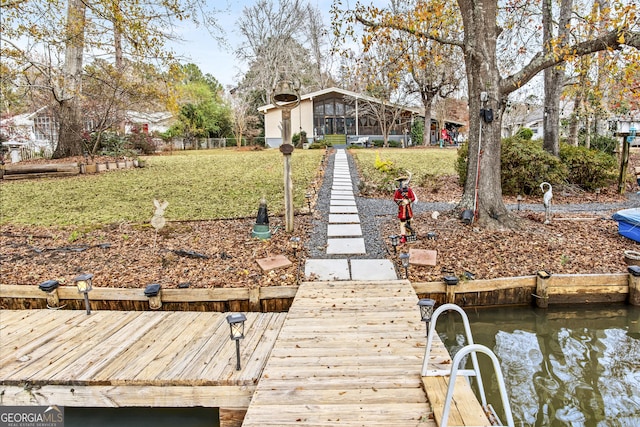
<point x="450" y="280"/>
<point x="426" y="310"/>
<point x="395" y="239"/>
<point x="154" y="293"/>
<point x="431" y="235"/>
<point x="83" y="283"/>
<point x="295" y="243"/>
<point x="50" y="287"/>
<point x="404" y="259"/>
<point x="634" y="270"/>
<point x="236" y="324"/>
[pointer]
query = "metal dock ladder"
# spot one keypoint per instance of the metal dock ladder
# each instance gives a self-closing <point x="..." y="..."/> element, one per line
<point x="452" y="374"/>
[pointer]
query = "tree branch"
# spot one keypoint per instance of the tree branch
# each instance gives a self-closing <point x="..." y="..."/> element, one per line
<point x="614" y="40"/>
<point x="377" y="25"/>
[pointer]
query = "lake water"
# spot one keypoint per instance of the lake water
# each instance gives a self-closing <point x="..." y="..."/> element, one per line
<point x="563" y="366"/>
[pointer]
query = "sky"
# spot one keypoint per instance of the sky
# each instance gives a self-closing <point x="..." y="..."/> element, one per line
<point x="201" y="49"/>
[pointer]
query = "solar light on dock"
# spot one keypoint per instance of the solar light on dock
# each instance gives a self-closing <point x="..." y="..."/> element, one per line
<point x="404" y="259"/>
<point x="395" y="239"/>
<point x="236" y="324"/>
<point x="426" y="310"/>
<point x="50" y="287"/>
<point x="154" y="293"/>
<point x="295" y="243"/>
<point x="83" y="283"/>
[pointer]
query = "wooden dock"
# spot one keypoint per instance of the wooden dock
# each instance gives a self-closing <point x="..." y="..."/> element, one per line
<point x="349" y="354"/>
<point x="120" y="359"/>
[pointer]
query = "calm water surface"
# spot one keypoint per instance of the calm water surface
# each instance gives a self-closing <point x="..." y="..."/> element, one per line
<point x="562" y="366"/>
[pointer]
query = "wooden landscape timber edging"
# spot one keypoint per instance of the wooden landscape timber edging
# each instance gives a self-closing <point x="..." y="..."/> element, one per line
<point x="260" y="299"/>
<point x="557" y="289"/>
<point x="53" y="170"/>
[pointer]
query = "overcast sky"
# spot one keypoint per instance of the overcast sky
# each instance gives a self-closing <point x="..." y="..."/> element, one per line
<point x="202" y="50"/>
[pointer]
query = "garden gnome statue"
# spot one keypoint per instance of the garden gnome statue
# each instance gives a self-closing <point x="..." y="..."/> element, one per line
<point x="404" y="197"/>
<point x="548" y="195"/>
<point x="261" y="228"/>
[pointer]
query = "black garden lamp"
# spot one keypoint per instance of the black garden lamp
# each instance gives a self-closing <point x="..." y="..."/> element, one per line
<point x="295" y="244"/>
<point x="83" y="283"/>
<point x="519" y="199"/>
<point x="404" y="259"/>
<point x="154" y="293"/>
<point x="395" y="239"/>
<point x="50" y="288"/>
<point x="426" y="310"/>
<point x="236" y="325"/>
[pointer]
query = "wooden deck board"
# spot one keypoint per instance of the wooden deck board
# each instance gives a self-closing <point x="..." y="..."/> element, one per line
<point x="109" y="358"/>
<point x="350" y="354"/>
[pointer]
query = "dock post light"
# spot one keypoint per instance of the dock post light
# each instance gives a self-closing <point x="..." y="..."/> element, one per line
<point x="426" y="310"/>
<point x="51" y="289"/>
<point x="404" y="259"/>
<point x="236" y="324"/>
<point x="83" y="283"/>
<point x="154" y="293"/>
<point x="395" y="239"/>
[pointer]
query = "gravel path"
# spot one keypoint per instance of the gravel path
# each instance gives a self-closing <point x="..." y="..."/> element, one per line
<point x="373" y="212"/>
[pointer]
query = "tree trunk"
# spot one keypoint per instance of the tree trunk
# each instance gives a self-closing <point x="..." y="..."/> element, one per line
<point x="427" y="101"/>
<point x="70" y="134"/>
<point x="572" y="139"/>
<point x="554" y="76"/>
<point x="483" y="188"/>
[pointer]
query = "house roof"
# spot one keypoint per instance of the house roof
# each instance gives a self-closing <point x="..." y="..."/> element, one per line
<point x="140" y="117"/>
<point x="339" y="91"/>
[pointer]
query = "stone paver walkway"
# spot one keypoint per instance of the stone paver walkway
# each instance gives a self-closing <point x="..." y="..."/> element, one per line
<point x="344" y="236"/>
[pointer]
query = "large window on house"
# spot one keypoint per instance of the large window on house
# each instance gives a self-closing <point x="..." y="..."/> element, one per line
<point x="45" y="128"/>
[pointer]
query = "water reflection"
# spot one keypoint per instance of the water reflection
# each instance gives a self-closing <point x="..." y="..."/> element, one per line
<point x="577" y="367"/>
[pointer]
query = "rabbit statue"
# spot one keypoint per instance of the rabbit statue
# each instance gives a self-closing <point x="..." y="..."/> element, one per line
<point x="158" y="221"/>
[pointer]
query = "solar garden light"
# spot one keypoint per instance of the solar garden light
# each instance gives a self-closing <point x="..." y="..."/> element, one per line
<point x="51" y="288"/>
<point x="597" y="193"/>
<point x="404" y="259"/>
<point x="519" y="199"/>
<point x="308" y="197"/>
<point x="295" y="243"/>
<point x="154" y="293"/>
<point x="395" y="239"/>
<point x="426" y="310"/>
<point x="236" y="324"/>
<point x="83" y="283"/>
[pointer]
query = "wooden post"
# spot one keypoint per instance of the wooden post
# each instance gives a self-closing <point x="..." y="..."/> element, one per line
<point x="254" y="299"/>
<point x="287" y="148"/>
<point x="451" y="294"/>
<point x="232" y="417"/>
<point x="634" y="288"/>
<point x="542" y="291"/>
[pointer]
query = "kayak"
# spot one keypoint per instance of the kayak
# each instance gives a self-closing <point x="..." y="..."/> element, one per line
<point x="629" y="223"/>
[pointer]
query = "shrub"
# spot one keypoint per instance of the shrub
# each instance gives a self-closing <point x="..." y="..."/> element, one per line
<point x="319" y="144"/>
<point x="525" y="133"/>
<point x="524" y="166"/>
<point x="588" y="168"/>
<point x="417" y="132"/>
<point x="140" y="142"/>
<point x="604" y="144"/>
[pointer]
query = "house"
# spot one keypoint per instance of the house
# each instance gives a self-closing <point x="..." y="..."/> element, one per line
<point x="159" y="121"/>
<point x="341" y="115"/>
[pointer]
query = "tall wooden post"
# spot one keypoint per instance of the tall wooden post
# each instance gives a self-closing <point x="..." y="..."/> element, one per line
<point x="634" y="286"/>
<point x="542" y="291"/>
<point x="287" y="148"/>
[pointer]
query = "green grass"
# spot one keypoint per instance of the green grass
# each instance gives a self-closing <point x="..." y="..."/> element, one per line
<point x="423" y="163"/>
<point x="198" y="185"/>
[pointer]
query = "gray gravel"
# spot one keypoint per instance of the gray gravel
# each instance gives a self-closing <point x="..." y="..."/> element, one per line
<point x="374" y="212"/>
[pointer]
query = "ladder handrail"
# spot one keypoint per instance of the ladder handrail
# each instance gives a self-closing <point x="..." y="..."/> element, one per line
<point x="469" y="337"/>
<point x="473" y="349"/>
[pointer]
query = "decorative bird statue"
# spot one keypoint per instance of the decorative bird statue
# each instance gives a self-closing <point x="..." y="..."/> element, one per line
<point x="546" y="199"/>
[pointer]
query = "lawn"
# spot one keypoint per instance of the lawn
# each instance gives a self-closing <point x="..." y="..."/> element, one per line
<point x="425" y="164"/>
<point x="199" y="185"/>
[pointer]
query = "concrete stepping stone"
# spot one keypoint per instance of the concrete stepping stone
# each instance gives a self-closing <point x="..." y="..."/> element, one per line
<point x="327" y="269"/>
<point x="345" y="246"/>
<point x="341" y="202"/>
<point x="373" y="269"/>
<point x="339" y="209"/>
<point x="347" y="197"/>
<point x="344" y="219"/>
<point x="344" y="230"/>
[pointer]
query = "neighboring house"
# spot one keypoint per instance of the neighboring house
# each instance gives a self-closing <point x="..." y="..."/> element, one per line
<point x="148" y="122"/>
<point x="38" y="131"/>
<point x="338" y="113"/>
